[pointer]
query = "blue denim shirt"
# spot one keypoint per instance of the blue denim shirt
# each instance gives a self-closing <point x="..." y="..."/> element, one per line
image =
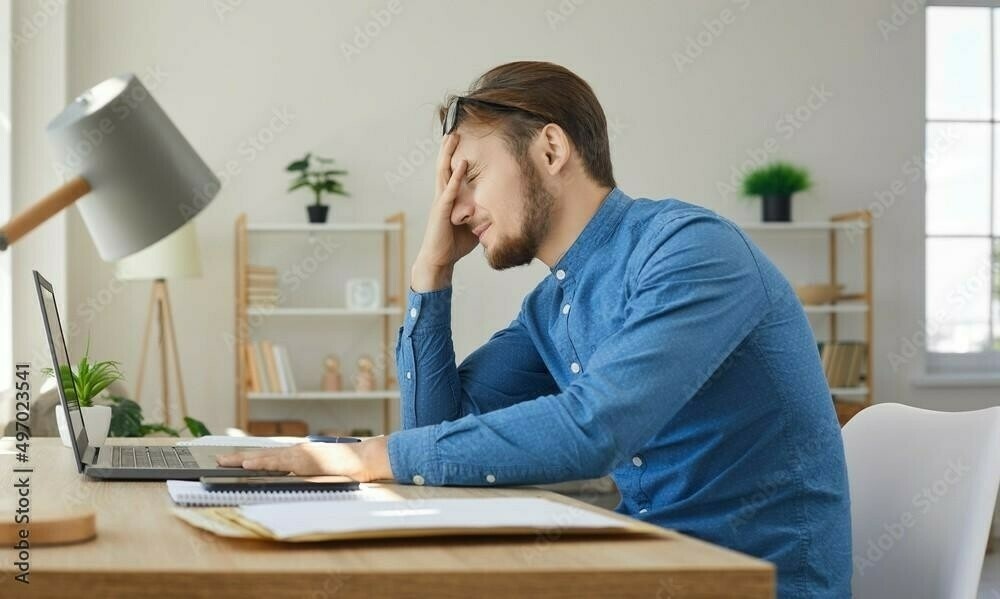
<point x="665" y="349"/>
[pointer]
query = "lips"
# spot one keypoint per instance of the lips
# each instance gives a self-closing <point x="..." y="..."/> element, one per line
<point x="478" y="231"/>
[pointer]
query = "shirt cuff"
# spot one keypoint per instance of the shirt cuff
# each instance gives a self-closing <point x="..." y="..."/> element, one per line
<point x="413" y="456"/>
<point x="425" y="311"/>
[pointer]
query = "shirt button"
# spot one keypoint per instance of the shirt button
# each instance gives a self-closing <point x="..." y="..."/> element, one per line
<point x="566" y="309"/>
<point x="417" y="479"/>
<point x="575" y="368"/>
<point x="643" y="511"/>
<point x="413" y="312"/>
<point x="490" y="478"/>
<point x="409" y="375"/>
<point x="560" y="274"/>
<point x="637" y="461"/>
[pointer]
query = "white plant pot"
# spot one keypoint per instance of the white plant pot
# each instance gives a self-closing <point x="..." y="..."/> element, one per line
<point x="96" y="419"/>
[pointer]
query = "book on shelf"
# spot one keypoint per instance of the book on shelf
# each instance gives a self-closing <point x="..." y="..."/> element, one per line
<point x="843" y="362"/>
<point x="252" y="382"/>
<point x="271" y="365"/>
<point x="269" y="368"/>
<point x="285" y="365"/>
<point x="256" y="269"/>
<point x="261" y="369"/>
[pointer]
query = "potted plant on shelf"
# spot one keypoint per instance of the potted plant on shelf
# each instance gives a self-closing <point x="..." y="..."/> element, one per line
<point x="104" y="417"/>
<point x="775" y="184"/>
<point x="315" y="173"/>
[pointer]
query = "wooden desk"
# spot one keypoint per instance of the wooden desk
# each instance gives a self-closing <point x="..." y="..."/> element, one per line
<point x="142" y="549"/>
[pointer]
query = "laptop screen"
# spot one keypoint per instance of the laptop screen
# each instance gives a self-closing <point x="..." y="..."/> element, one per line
<point x="61" y="364"/>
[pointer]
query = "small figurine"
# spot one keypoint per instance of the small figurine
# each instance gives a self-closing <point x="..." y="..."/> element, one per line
<point x="331" y="376"/>
<point x="365" y="379"/>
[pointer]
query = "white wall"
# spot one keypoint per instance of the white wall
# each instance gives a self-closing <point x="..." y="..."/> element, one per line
<point x="693" y="89"/>
<point x="39" y="93"/>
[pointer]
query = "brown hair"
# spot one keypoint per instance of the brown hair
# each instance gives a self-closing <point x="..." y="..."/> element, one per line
<point x="553" y="93"/>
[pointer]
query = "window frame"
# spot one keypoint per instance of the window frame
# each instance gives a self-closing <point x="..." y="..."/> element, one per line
<point x="6" y="264"/>
<point x="970" y="364"/>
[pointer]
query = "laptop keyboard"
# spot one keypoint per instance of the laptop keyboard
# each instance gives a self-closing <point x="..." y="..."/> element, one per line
<point x="152" y="457"/>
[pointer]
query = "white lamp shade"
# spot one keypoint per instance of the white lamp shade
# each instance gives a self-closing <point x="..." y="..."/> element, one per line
<point x="173" y="257"/>
<point x="146" y="180"/>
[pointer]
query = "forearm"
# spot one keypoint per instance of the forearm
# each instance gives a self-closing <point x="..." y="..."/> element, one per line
<point x="538" y="441"/>
<point x="430" y="390"/>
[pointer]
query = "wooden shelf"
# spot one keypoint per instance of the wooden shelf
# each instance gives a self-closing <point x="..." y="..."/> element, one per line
<point x="323" y="227"/>
<point x="265" y="311"/>
<point x="392" y="232"/>
<point x="804" y="226"/>
<point x="326" y="395"/>
<point x="856" y="307"/>
<point x="849" y="391"/>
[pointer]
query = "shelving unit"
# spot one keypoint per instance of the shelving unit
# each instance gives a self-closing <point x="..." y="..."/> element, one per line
<point x="393" y="229"/>
<point x="847" y="304"/>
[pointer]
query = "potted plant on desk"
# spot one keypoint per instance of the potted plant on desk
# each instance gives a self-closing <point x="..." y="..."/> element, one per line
<point x="112" y="416"/>
<point x="315" y="173"/>
<point x="775" y="183"/>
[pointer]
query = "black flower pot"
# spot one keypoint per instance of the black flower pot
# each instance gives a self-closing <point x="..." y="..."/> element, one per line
<point x="317" y="213"/>
<point x="777" y="209"/>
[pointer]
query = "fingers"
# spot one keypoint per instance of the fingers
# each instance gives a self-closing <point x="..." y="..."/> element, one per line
<point x="444" y="160"/>
<point x="278" y="463"/>
<point x="237" y="458"/>
<point x="454" y="183"/>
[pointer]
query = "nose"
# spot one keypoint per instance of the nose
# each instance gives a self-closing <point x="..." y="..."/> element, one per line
<point x="463" y="210"/>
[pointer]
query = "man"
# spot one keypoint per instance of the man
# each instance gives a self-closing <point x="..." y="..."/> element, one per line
<point x="664" y="348"/>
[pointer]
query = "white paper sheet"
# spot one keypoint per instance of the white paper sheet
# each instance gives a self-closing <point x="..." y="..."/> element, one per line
<point x="337" y="517"/>
<point x="193" y="493"/>
<point x="234" y="441"/>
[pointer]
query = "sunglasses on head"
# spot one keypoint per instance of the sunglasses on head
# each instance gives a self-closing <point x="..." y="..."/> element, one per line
<point x="451" y="119"/>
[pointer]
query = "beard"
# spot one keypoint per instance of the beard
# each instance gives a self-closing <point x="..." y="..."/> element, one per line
<point x="508" y="252"/>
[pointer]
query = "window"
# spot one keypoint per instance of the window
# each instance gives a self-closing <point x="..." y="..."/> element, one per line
<point x="6" y="285"/>
<point x="962" y="164"/>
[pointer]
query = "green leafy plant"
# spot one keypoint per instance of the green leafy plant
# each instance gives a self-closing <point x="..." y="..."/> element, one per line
<point x="315" y="173"/>
<point x="776" y="179"/>
<point x="89" y="379"/>
<point x="126" y="421"/>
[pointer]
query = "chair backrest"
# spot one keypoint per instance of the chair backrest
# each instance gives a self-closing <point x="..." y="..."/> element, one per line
<point x="923" y="486"/>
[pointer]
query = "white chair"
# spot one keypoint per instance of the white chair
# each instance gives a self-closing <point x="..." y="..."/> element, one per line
<point x="923" y="486"/>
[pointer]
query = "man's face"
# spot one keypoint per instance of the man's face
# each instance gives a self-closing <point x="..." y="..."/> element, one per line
<point x="503" y="201"/>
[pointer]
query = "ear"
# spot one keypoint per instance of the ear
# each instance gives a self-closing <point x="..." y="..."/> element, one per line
<point x="555" y="148"/>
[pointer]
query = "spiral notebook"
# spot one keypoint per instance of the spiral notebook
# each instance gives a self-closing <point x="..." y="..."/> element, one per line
<point x="193" y="494"/>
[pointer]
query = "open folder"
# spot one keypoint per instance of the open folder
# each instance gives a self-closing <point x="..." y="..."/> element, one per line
<point x="340" y="520"/>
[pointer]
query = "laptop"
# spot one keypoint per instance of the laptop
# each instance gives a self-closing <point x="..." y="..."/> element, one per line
<point x="123" y="462"/>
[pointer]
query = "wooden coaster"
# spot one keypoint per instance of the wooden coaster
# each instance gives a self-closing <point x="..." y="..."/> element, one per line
<point x="52" y="530"/>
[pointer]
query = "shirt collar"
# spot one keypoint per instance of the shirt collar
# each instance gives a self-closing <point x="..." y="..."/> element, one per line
<point x="604" y="222"/>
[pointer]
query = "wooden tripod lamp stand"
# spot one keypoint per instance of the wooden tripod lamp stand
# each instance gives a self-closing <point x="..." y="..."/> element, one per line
<point x="136" y="179"/>
<point x="175" y="256"/>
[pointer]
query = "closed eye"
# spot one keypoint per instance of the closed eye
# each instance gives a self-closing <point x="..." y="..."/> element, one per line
<point x="473" y="174"/>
